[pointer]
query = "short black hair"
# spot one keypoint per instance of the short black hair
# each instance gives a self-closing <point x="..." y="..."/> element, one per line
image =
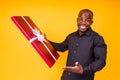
<point x="86" y="10"/>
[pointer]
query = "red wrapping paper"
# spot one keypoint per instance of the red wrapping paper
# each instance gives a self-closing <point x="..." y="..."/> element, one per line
<point x="44" y="48"/>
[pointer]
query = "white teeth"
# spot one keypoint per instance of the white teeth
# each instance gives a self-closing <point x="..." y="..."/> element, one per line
<point x="83" y="27"/>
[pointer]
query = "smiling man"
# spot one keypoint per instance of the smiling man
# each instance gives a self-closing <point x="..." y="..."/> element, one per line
<point x="86" y="50"/>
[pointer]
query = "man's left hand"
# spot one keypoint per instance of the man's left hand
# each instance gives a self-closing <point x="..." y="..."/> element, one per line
<point x="76" y="69"/>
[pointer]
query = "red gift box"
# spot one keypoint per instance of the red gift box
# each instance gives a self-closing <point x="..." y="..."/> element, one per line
<point x="36" y="38"/>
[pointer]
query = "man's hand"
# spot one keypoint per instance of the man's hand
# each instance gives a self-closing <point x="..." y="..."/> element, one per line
<point x="77" y="68"/>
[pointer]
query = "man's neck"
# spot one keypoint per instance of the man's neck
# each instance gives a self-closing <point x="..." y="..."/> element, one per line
<point x="81" y="33"/>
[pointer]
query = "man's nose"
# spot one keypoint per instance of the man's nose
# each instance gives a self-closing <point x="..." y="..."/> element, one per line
<point x="83" y="22"/>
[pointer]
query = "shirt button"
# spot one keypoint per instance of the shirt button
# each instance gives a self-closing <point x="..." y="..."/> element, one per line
<point x="72" y="58"/>
<point x="80" y="38"/>
<point x="74" y="51"/>
<point x="69" y="73"/>
<point x="77" y="44"/>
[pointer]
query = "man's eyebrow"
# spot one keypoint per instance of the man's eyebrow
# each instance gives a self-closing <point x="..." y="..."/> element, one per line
<point x="89" y="18"/>
<point x="86" y="18"/>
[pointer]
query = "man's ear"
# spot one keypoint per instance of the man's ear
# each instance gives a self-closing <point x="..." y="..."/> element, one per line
<point x="91" y="21"/>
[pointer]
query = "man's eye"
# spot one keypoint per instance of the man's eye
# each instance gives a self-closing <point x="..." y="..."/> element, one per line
<point x="80" y="20"/>
<point x="88" y="20"/>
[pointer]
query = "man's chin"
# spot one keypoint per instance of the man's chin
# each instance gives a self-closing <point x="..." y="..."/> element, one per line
<point x="83" y="30"/>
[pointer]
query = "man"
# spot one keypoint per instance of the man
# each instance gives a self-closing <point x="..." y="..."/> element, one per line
<point x="86" y="50"/>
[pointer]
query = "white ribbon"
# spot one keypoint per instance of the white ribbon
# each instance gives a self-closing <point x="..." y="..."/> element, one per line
<point x="38" y="36"/>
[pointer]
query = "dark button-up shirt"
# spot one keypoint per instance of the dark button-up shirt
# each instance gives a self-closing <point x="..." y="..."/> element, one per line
<point x="88" y="49"/>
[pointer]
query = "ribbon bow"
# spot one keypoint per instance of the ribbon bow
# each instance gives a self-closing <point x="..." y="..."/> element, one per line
<point x="39" y="37"/>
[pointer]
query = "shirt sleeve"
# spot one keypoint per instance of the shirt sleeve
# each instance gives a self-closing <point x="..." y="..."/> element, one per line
<point x="100" y="51"/>
<point x="60" y="46"/>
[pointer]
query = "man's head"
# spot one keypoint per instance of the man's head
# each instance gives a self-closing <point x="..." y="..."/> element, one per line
<point x="84" y="20"/>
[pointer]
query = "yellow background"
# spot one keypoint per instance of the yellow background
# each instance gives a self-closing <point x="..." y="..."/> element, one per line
<point x="56" y="18"/>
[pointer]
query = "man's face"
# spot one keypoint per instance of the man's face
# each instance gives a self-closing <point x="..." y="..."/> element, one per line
<point x="84" y="22"/>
